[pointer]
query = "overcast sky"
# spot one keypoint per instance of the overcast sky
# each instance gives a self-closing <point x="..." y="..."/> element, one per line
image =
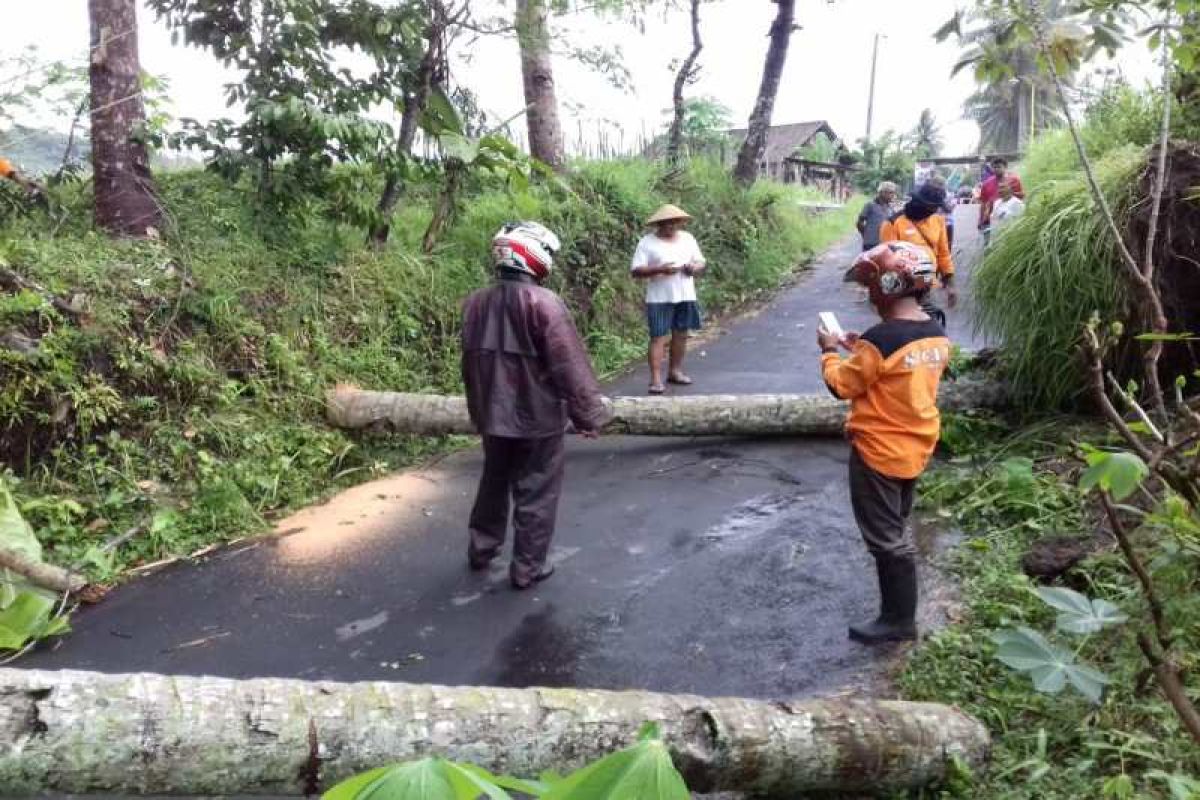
<point x="827" y="74"/>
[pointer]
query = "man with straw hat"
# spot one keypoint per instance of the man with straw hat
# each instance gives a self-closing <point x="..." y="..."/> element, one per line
<point x="668" y="259"/>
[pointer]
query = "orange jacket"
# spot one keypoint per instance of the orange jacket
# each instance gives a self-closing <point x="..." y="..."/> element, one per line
<point x="929" y="233"/>
<point x="891" y="380"/>
<point x="7" y="170"/>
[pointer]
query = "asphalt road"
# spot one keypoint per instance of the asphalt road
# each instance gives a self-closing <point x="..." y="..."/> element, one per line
<point x="720" y="567"/>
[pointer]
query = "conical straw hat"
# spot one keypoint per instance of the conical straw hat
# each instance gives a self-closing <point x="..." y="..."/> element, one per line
<point x="668" y="212"/>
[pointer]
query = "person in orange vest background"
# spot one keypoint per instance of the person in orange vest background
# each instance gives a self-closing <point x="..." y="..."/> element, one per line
<point x="921" y="224"/>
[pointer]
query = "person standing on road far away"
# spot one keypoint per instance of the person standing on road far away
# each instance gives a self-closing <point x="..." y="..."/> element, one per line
<point x="669" y="259"/>
<point x="876" y="212"/>
<point x="947" y="209"/>
<point x="891" y="380"/>
<point x="526" y="373"/>
<point x="921" y="224"/>
<point x="989" y="192"/>
<point x="1007" y="207"/>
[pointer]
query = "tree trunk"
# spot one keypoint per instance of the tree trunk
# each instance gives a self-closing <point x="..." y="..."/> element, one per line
<point x="415" y="103"/>
<point x="760" y="119"/>
<point x="685" y="76"/>
<point x="126" y="201"/>
<point x="157" y="734"/>
<point x="696" y="415"/>
<point x="537" y="72"/>
<point x="446" y="206"/>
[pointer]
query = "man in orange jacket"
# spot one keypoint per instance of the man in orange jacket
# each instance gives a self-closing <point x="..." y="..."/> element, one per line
<point x="891" y="380"/>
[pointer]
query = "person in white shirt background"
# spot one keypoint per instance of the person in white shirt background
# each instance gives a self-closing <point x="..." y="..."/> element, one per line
<point x="1007" y="208"/>
<point x="668" y="259"/>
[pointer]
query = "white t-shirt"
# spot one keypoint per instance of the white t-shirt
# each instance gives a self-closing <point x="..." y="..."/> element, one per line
<point x="1005" y="211"/>
<point x="655" y="252"/>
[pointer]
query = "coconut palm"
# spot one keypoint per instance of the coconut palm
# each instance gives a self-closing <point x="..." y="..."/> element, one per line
<point x="926" y="138"/>
<point x="1016" y="97"/>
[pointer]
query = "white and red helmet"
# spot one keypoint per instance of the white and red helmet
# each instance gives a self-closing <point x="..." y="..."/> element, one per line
<point x="525" y="247"/>
<point x="893" y="270"/>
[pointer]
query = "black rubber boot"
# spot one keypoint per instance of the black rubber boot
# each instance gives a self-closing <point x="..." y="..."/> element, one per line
<point x="898" y="603"/>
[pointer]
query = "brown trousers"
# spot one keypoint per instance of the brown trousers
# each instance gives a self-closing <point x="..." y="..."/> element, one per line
<point x="531" y="472"/>
<point x="882" y="506"/>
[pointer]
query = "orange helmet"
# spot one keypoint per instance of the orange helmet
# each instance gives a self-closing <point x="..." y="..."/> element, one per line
<point x="893" y="270"/>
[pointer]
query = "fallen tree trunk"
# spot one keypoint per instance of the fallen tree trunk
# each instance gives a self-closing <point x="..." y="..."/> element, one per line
<point x="695" y="415"/>
<point x="40" y="573"/>
<point x="151" y="734"/>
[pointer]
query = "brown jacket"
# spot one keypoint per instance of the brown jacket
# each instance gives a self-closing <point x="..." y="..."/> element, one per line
<point x="524" y="366"/>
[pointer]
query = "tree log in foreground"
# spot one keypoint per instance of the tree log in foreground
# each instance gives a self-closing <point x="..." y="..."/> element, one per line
<point x="156" y="734"/>
<point x="695" y="415"/>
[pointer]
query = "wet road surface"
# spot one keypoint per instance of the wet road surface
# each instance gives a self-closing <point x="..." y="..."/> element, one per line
<point x="713" y="566"/>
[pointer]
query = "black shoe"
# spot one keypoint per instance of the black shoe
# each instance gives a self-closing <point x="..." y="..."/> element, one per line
<point x="883" y="630"/>
<point x="479" y="562"/>
<point x="542" y="575"/>
<point x="898" y="603"/>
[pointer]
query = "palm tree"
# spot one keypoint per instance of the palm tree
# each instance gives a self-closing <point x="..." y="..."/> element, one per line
<point x="1015" y="98"/>
<point x="926" y="138"/>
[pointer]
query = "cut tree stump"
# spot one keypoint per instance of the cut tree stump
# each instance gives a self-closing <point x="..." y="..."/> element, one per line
<point x="155" y="734"/>
<point x="689" y="415"/>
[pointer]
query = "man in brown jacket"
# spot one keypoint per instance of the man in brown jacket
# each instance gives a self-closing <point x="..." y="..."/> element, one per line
<point x="526" y="373"/>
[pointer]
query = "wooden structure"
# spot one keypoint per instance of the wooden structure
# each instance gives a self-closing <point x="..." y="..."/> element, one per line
<point x="833" y="179"/>
<point x="783" y="142"/>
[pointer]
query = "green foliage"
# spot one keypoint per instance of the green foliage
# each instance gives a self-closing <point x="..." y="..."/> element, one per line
<point x="25" y="612"/>
<point x="1119" y="116"/>
<point x="1048" y="665"/>
<point x="191" y="402"/>
<point x="705" y="122"/>
<point x="1007" y="491"/>
<point x="821" y="148"/>
<point x="1048" y="273"/>
<point x="1117" y="473"/>
<point x="641" y="772"/>
<point x="889" y="157"/>
<point x="427" y="779"/>
<point x="927" y="135"/>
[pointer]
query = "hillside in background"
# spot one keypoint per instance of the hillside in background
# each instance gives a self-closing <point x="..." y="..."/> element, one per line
<point x="185" y="390"/>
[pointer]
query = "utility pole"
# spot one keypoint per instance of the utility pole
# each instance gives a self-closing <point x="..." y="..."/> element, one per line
<point x="871" y="96"/>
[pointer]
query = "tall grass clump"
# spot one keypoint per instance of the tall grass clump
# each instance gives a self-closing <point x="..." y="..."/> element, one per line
<point x="1048" y="273"/>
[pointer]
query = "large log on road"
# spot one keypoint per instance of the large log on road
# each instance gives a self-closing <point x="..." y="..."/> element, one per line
<point x="694" y="415"/>
<point x="155" y="734"/>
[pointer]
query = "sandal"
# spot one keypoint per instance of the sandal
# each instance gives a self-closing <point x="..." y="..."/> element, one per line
<point x="680" y="379"/>
<point x="656" y="388"/>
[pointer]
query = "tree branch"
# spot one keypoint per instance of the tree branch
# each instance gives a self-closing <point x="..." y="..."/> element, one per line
<point x="1161" y="629"/>
<point x="1166" y="672"/>
<point x="685" y="74"/>
<point x="48" y="576"/>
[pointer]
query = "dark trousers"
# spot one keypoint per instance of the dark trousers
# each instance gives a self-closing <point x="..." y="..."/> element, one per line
<point x="882" y="506"/>
<point x="531" y="472"/>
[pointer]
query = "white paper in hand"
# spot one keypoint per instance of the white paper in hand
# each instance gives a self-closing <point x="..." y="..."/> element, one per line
<point x="829" y="323"/>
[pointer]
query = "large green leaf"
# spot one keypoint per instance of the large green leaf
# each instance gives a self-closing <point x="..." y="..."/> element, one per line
<point x="440" y="115"/>
<point x="427" y="779"/>
<point x="641" y="772"/>
<point x="26" y="618"/>
<point x="1118" y="473"/>
<point x="16" y="536"/>
<point x="1077" y="613"/>
<point x="455" y="145"/>
<point x="1049" y="667"/>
